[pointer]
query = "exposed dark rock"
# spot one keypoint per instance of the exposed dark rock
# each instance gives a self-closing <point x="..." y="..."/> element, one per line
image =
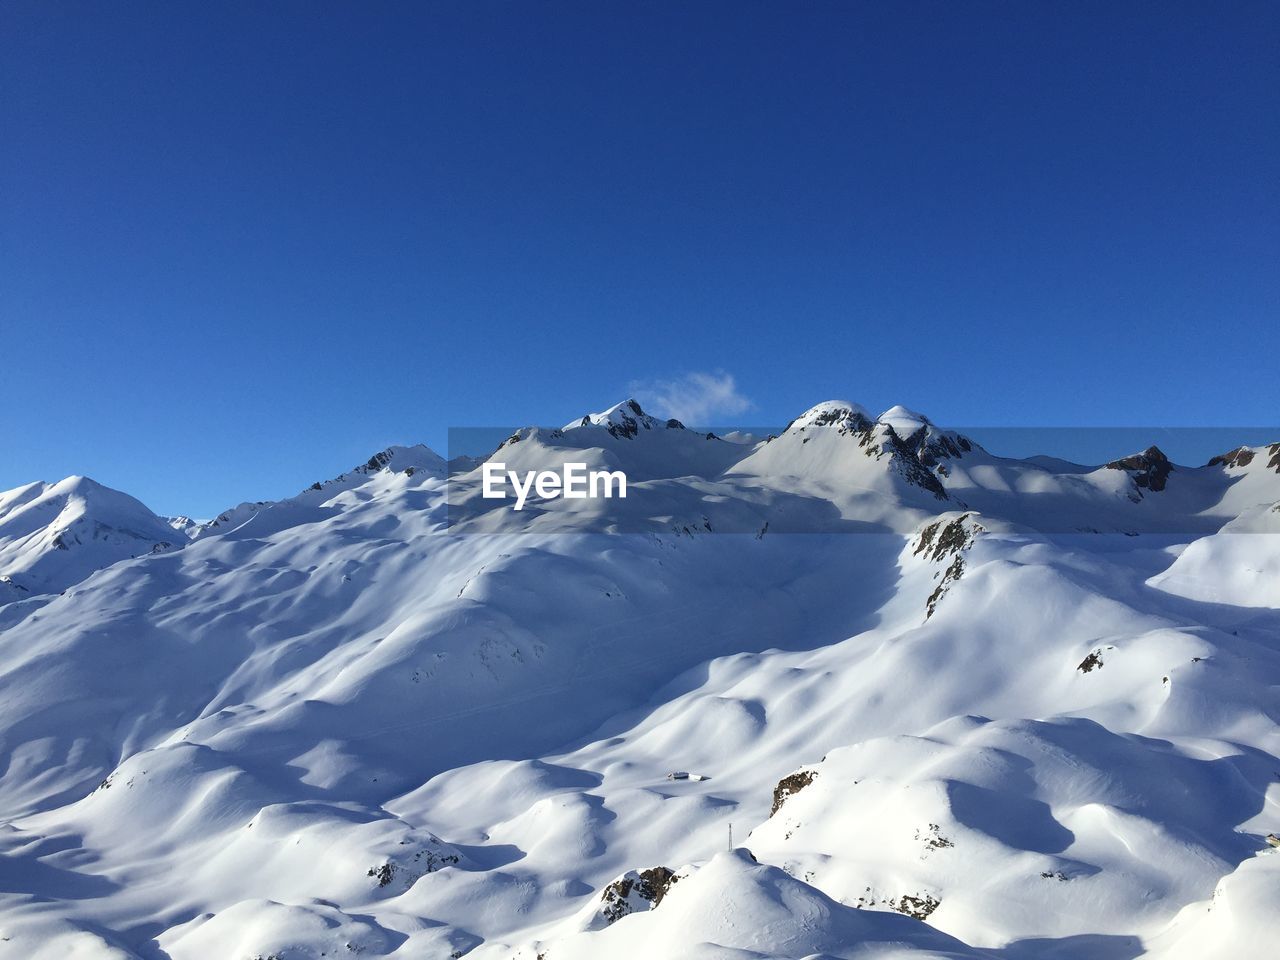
<point x="657" y="881"/>
<point x="949" y="576"/>
<point x="789" y="786"/>
<point x="910" y="464"/>
<point x="933" y="446"/>
<point x="943" y="539"/>
<point x="918" y="907"/>
<point x="378" y="461"/>
<point x="946" y="538"/>
<point x="651" y="885"/>
<point x="627" y="429"/>
<point x="423" y="862"/>
<point x="879" y="440"/>
<point x="1150" y="468"/>
<point x="848" y="422"/>
<point x="933" y="838"/>
<point x="433" y="861"/>
<point x="1239" y="457"/>
<point x="1093" y="660"/>
<point x="514" y="438"/>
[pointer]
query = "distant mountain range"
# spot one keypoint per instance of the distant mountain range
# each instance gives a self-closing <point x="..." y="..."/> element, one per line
<point x="933" y="703"/>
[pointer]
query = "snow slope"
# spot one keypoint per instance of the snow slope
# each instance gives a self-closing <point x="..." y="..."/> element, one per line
<point x="54" y="535"/>
<point x="1238" y="565"/>
<point x="931" y="714"/>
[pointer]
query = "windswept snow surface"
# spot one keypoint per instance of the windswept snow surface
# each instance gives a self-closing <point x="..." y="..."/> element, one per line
<point x="935" y="703"/>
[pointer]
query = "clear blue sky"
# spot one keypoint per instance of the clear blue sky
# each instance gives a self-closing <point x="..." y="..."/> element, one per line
<point x="243" y="245"/>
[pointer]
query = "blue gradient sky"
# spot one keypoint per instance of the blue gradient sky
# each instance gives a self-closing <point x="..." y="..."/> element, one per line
<point x="242" y="246"/>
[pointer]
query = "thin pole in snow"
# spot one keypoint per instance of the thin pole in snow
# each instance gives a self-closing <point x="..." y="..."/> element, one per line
<point x="730" y="836"/>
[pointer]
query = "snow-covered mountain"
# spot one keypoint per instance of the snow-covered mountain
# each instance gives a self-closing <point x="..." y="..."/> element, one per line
<point x="53" y="535"/>
<point x="859" y="689"/>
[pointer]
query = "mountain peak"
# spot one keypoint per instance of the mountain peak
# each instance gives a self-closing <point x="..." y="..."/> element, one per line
<point x="76" y="484"/>
<point x="829" y="413"/>
<point x="904" y="421"/>
<point x="1150" y="468"/>
<point x="396" y="458"/>
<point x="54" y="535"/>
<point x="625" y="420"/>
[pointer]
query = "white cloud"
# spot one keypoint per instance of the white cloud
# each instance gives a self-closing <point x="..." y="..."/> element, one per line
<point x="697" y="398"/>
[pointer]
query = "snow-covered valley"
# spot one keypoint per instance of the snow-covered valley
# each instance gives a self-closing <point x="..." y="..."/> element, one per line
<point x="862" y="689"/>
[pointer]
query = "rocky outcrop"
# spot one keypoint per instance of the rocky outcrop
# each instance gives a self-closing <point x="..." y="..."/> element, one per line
<point x="635" y="891"/>
<point x="942" y="541"/>
<point x="625" y="421"/>
<point x="1090" y="663"/>
<point x="1149" y="469"/>
<point x="914" y="458"/>
<point x="907" y="458"/>
<point x="789" y="786"/>
<point x="1239" y="457"/>
<point x="408" y="868"/>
